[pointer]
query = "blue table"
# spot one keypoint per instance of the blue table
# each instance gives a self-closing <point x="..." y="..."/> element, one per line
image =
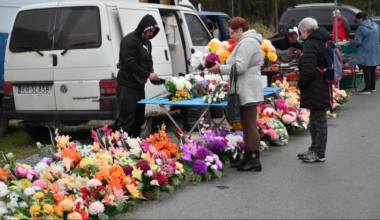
<point x="196" y="102"/>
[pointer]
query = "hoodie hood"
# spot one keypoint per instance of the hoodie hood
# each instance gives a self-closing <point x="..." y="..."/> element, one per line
<point x="252" y="34"/>
<point x="320" y="34"/>
<point x="147" y="22"/>
<point x="369" y="23"/>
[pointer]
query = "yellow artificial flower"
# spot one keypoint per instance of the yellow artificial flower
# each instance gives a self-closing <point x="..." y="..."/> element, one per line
<point x="265" y="47"/>
<point x="48" y="208"/>
<point x="224" y="56"/>
<point x="272" y="57"/>
<point x="264" y="54"/>
<point x="179" y="167"/>
<point x="35" y="209"/>
<point x="39" y="195"/>
<point x="87" y="162"/>
<point x="26" y="166"/>
<point x="108" y="158"/>
<point x="25" y="183"/>
<point x="174" y="99"/>
<point x="136" y="173"/>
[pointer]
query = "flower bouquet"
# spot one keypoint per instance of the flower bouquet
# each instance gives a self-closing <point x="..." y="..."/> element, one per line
<point x="200" y="89"/>
<point x="197" y="62"/>
<point x="179" y="89"/>
<point x="219" y="51"/>
<point x="341" y="96"/>
<point x="269" y="55"/>
<point x="217" y="92"/>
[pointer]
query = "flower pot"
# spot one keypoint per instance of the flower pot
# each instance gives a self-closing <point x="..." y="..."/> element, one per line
<point x="143" y="1"/>
<point x="165" y="2"/>
<point x="150" y="195"/>
<point x="236" y="160"/>
<point x="204" y="178"/>
<point x="292" y="132"/>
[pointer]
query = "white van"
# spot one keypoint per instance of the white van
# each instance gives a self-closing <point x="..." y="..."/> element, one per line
<point x="61" y="58"/>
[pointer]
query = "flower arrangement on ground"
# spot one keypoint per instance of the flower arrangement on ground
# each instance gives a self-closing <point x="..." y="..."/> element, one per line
<point x="179" y="89"/>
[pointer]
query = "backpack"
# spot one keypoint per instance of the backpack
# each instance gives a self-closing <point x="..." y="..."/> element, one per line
<point x="334" y="70"/>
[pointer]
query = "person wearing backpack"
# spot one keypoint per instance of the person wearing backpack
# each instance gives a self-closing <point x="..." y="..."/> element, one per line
<point x="316" y="92"/>
<point x="368" y="52"/>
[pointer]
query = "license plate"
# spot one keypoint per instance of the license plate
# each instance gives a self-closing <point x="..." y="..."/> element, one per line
<point x="34" y="90"/>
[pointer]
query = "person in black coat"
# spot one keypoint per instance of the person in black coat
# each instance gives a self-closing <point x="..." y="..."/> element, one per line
<point x="316" y="92"/>
<point x="136" y="67"/>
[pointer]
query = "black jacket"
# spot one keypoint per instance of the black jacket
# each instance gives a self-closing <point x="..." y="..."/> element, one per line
<point x="316" y="93"/>
<point x="281" y="42"/>
<point x="135" y="59"/>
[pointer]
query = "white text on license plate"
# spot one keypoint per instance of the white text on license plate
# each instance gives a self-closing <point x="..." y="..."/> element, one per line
<point x="34" y="89"/>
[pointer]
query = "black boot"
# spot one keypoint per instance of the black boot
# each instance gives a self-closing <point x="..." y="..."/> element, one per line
<point x="254" y="162"/>
<point x="243" y="161"/>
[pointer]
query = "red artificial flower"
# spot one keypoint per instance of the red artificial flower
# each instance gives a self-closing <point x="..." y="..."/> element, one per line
<point x="218" y="85"/>
<point x="84" y="196"/>
<point x="100" y="188"/>
<point x="94" y="195"/>
<point x="88" y="202"/>
<point x="225" y="141"/>
<point x="231" y="41"/>
<point x="83" y="214"/>
<point x="78" y="205"/>
<point x="161" y="178"/>
<point x="209" y="90"/>
<point x="84" y="190"/>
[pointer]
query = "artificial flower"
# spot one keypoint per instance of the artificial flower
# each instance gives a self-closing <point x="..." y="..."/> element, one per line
<point x="96" y="208"/>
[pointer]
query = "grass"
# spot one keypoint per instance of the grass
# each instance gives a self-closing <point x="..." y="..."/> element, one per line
<point x="263" y="30"/>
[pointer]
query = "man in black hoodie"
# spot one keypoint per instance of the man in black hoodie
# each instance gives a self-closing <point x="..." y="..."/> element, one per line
<point x="136" y="67"/>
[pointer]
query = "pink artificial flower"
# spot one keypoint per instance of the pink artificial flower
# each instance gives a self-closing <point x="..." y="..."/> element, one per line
<point x="108" y="201"/>
<point x="33" y="173"/>
<point x="272" y="133"/>
<point x="39" y="183"/>
<point x="154" y="183"/>
<point x="287" y="118"/>
<point x="21" y="171"/>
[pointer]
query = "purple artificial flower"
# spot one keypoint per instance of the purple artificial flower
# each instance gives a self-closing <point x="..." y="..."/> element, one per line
<point x="186" y="152"/>
<point x="221" y="133"/>
<point x="217" y="144"/>
<point x="280" y="101"/>
<point x="282" y="106"/>
<point x="207" y="136"/>
<point x="241" y="146"/>
<point x="203" y="153"/>
<point x="46" y="160"/>
<point x="57" y="155"/>
<point x="212" y="57"/>
<point x="200" y="167"/>
<point x="239" y="133"/>
<point x="203" y="83"/>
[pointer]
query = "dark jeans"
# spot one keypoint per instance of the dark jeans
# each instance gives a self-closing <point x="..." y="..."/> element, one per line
<point x="369" y="77"/>
<point x="318" y="131"/>
<point x="130" y="115"/>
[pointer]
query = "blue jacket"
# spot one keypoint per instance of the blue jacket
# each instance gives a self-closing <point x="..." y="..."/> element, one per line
<point x="367" y="39"/>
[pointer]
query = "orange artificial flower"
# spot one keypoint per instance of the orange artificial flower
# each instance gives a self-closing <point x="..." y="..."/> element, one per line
<point x="57" y="197"/>
<point x="115" y="168"/>
<point x="133" y="191"/>
<point x="114" y="184"/>
<point x="58" y="210"/>
<point x="167" y="153"/>
<point x="120" y="175"/>
<point x="163" y="127"/>
<point x="293" y="89"/>
<point x="237" y="127"/>
<point x="101" y="175"/>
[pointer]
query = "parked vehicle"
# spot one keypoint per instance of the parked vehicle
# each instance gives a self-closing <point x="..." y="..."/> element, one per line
<point x="323" y="13"/>
<point x="67" y="75"/>
<point x="217" y="24"/>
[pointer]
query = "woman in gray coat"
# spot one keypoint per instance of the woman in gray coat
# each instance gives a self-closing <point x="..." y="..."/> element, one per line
<point x="247" y="56"/>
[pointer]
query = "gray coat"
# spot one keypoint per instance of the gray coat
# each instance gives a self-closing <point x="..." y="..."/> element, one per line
<point x="248" y="56"/>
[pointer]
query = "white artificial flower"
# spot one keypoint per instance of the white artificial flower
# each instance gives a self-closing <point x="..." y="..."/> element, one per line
<point x="29" y="191"/>
<point x="3" y="211"/>
<point x="198" y="78"/>
<point x="3" y="189"/>
<point x="40" y="167"/>
<point x="23" y="204"/>
<point x="214" y="167"/>
<point x="59" y="169"/>
<point x="187" y="85"/>
<point x="2" y="204"/>
<point x="176" y="172"/>
<point x="214" y="99"/>
<point x="14" y="197"/>
<point x="11" y="205"/>
<point x="10" y="218"/>
<point x="178" y="83"/>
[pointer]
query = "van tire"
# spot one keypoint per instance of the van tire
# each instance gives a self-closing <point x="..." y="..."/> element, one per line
<point x="216" y="112"/>
<point x="38" y="133"/>
<point x="4" y="123"/>
<point x="146" y="128"/>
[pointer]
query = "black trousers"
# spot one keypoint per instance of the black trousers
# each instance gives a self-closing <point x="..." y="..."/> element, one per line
<point x="369" y="77"/>
<point x="318" y="131"/>
<point x="130" y="115"/>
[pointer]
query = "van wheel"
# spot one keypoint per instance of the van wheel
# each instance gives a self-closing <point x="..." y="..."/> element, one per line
<point x="4" y="123"/>
<point x="216" y="112"/>
<point x="146" y="128"/>
<point x="38" y="133"/>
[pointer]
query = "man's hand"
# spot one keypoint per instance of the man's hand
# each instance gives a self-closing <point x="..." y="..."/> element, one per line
<point x="153" y="77"/>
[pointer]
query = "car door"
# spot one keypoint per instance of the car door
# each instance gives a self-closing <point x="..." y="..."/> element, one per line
<point x="84" y="55"/>
<point x="130" y="16"/>
<point x="29" y="61"/>
<point x="196" y="32"/>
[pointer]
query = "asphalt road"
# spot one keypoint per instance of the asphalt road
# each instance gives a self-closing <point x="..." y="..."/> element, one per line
<point x="346" y="186"/>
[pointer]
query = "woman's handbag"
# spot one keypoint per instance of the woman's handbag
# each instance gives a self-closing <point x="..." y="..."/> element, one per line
<point x="233" y="105"/>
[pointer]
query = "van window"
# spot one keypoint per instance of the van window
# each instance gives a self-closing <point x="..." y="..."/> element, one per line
<point x="349" y="16"/>
<point x="32" y="30"/>
<point x="322" y="15"/>
<point x="77" y="27"/>
<point x="225" y="24"/>
<point x="198" y="33"/>
<point x="297" y="15"/>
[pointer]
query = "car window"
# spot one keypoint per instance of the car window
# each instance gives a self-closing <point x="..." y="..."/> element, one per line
<point x="198" y="33"/>
<point x="297" y="15"/>
<point x="32" y="29"/>
<point x="225" y="24"/>
<point x="349" y="16"/>
<point x="78" y="26"/>
<point x="322" y="15"/>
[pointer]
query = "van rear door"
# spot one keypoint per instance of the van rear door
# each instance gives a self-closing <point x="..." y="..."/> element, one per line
<point x="84" y="55"/>
<point x="29" y="64"/>
<point x="130" y="17"/>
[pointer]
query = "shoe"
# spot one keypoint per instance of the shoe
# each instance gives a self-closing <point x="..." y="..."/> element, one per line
<point x="365" y="92"/>
<point x="253" y="162"/>
<point x="313" y="157"/>
<point x="300" y="156"/>
<point x="373" y="90"/>
<point x="242" y="162"/>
